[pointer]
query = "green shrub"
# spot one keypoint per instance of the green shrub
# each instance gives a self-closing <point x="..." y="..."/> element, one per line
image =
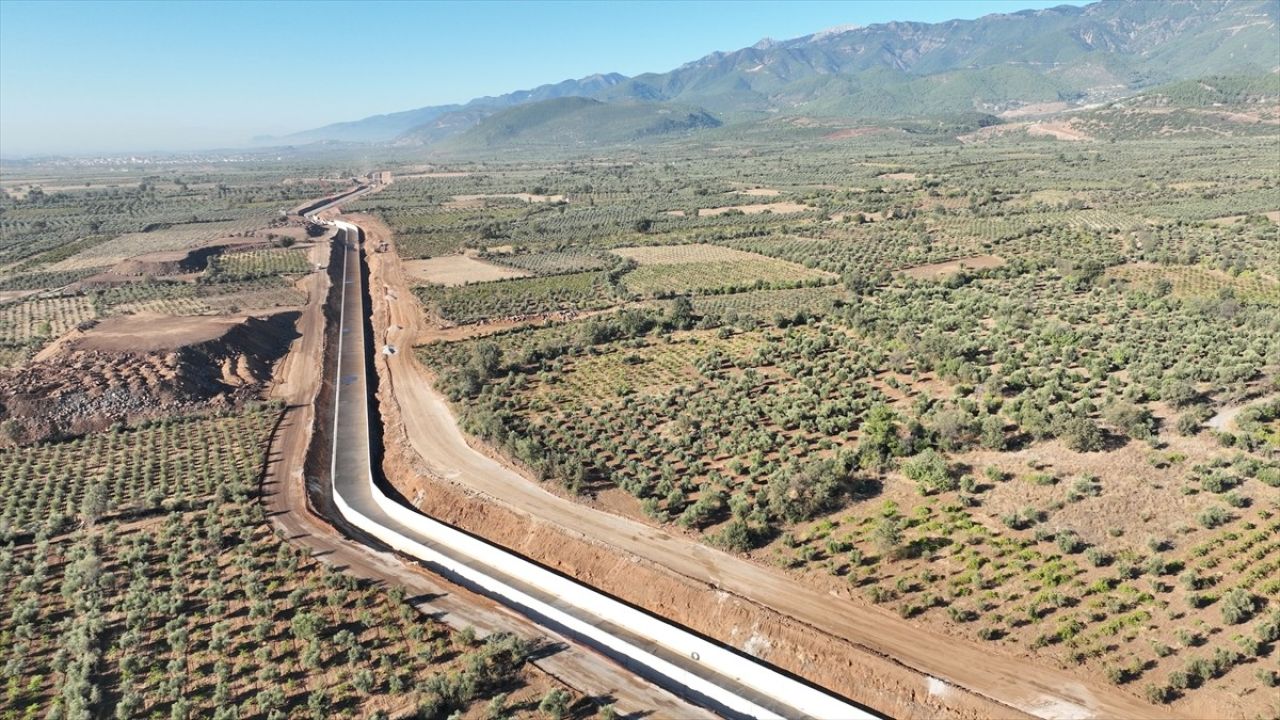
<point x="1237" y="606"/>
<point x="1081" y="434"/>
<point x="930" y="472"/>
<point x="1069" y="542"/>
<point x="1213" y="516"/>
<point x="1157" y="694"/>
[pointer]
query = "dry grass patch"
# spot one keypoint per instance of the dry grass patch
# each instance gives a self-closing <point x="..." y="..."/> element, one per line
<point x="934" y="271"/>
<point x="1057" y="131"/>
<point x="781" y="208"/>
<point x="452" y="270"/>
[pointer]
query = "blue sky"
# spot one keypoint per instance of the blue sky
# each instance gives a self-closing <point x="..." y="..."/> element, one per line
<point x="123" y="76"/>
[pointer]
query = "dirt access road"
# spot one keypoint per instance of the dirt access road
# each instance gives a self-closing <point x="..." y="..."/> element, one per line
<point x="285" y="494"/>
<point x="943" y="668"/>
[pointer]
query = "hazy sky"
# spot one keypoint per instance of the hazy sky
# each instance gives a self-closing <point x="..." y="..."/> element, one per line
<point x="105" y="77"/>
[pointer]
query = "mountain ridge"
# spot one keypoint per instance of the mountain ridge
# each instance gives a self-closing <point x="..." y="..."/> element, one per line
<point x="1076" y="54"/>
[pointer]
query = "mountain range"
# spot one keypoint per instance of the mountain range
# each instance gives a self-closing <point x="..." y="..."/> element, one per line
<point x="1068" y="55"/>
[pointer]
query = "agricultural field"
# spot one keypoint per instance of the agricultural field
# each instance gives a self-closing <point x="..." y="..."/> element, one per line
<point x="140" y="324"/>
<point x="1199" y="282"/>
<point x="772" y="305"/>
<point x="251" y="264"/>
<point x="145" y="582"/>
<point x="554" y="262"/>
<point x="179" y="298"/>
<point x="1014" y="390"/>
<point x="664" y="271"/>
<point x="170" y="243"/>
<point x="1017" y="393"/>
<point x="61" y="228"/>
<point x="755" y="209"/>
<point x="28" y="323"/>
<point x="520" y="297"/>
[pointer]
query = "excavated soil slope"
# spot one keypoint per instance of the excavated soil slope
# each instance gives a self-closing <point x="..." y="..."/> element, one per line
<point x="136" y="367"/>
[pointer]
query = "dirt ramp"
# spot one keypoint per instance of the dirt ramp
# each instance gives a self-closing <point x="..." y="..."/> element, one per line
<point x="137" y="367"/>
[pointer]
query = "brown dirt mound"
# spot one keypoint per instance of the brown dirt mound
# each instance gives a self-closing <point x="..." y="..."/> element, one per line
<point x="181" y="262"/>
<point x="132" y="368"/>
<point x="148" y="333"/>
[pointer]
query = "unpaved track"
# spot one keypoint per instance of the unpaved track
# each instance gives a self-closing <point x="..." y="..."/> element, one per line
<point x="433" y="432"/>
<point x="285" y="496"/>
<point x="1225" y="419"/>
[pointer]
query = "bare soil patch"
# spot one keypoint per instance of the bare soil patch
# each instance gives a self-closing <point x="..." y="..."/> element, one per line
<point x="1273" y="216"/>
<point x="1060" y="130"/>
<point x="898" y="176"/>
<point x="1034" y="109"/>
<point x="1057" y="130"/>
<point x="9" y="295"/>
<point x="845" y="133"/>
<point x="777" y="208"/>
<point x="951" y="267"/>
<point x="1135" y="495"/>
<point x="452" y="270"/>
<point x="435" y="175"/>
<point x="178" y="262"/>
<point x="866" y="216"/>
<point x="146" y="333"/>
<point x="471" y="202"/>
<point x="135" y="367"/>
<point x="759" y="192"/>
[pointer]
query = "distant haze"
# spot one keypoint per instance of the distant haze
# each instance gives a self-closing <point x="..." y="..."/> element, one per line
<point x="79" y="78"/>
